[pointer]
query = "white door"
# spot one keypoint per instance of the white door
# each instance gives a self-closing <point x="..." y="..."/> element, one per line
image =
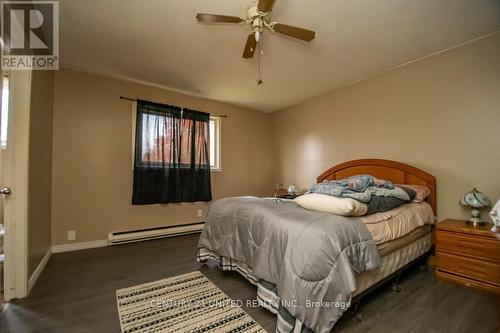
<point x="14" y="187"/>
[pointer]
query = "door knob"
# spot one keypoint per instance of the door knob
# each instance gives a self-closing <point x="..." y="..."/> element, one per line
<point x="5" y="191"/>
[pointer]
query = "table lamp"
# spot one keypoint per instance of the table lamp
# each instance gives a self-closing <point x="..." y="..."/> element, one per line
<point x="476" y="200"/>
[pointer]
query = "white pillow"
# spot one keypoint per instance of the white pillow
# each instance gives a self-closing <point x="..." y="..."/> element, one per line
<point x="333" y="205"/>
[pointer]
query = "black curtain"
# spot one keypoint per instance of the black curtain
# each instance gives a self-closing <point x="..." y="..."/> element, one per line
<point x="172" y="161"/>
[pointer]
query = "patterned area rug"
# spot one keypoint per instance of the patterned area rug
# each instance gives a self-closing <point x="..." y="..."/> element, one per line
<point x="184" y="303"/>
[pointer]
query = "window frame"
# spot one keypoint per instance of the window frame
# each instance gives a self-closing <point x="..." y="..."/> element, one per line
<point x="6" y="113"/>
<point x="217" y="144"/>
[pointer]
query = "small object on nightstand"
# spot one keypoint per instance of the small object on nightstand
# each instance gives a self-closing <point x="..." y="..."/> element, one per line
<point x="476" y="200"/>
<point x="279" y="191"/>
<point x="495" y="216"/>
<point x="468" y="255"/>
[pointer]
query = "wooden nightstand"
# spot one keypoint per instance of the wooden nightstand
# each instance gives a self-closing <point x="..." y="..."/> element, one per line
<point x="468" y="256"/>
<point x="288" y="196"/>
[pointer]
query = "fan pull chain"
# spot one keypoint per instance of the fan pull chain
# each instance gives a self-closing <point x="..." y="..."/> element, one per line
<point x="261" y="52"/>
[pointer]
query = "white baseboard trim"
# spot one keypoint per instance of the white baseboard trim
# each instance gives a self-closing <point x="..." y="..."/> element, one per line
<point x="133" y="236"/>
<point x="79" y="246"/>
<point x="36" y="274"/>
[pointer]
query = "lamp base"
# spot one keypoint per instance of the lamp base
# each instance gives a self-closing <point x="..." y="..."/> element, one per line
<point x="476" y="222"/>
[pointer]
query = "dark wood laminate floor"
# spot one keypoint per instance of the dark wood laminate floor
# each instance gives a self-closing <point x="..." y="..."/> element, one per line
<point x="76" y="293"/>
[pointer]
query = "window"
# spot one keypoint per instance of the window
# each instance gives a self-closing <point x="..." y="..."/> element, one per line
<point x="159" y="148"/>
<point x="172" y="156"/>
<point x="215" y="147"/>
<point x="4" y="120"/>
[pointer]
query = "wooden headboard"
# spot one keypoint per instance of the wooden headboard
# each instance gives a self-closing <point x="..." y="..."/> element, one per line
<point x="396" y="172"/>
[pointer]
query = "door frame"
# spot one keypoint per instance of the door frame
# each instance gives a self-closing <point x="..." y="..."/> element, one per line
<point x="15" y="169"/>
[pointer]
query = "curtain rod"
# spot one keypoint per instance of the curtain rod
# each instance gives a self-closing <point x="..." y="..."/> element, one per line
<point x="135" y="100"/>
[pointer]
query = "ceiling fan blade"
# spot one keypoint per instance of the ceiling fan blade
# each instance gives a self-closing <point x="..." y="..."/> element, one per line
<point x="294" y="32"/>
<point x="250" y="46"/>
<point x="211" y="18"/>
<point x="265" y="6"/>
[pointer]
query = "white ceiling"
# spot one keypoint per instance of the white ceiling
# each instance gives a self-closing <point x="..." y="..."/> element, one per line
<point x="159" y="42"/>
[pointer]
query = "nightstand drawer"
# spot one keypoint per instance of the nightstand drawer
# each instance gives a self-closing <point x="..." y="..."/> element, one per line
<point x="491" y="288"/>
<point x="468" y="245"/>
<point x="469" y="267"/>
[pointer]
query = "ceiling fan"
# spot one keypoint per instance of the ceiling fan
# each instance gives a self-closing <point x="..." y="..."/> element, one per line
<point x="259" y="18"/>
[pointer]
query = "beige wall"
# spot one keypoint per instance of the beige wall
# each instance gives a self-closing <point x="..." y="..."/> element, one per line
<point x="92" y="171"/>
<point x="441" y="114"/>
<point x="40" y="167"/>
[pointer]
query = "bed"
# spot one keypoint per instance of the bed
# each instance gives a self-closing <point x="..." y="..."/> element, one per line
<point x="395" y="249"/>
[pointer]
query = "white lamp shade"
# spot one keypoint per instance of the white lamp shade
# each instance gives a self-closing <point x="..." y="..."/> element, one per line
<point x="475" y="199"/>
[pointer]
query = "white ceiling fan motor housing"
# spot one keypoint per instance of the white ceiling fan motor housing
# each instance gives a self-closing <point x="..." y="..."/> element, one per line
<point x="256" y="18"/>
<point x="252" y="11"/>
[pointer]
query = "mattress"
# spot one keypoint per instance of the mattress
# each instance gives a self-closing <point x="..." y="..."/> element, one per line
<point x="391" y="246"/>
<point x="399" y="222"/>
<point x="393" y="261"/>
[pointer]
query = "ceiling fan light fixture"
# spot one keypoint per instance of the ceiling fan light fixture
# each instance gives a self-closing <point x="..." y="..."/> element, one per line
<point x="258" y="17"/>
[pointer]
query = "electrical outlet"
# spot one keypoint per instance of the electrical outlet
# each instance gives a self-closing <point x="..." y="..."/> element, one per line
<point x="200" y="212"/>
<point x="71" y="235"/>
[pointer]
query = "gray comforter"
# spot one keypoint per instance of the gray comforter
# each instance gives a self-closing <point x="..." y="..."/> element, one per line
<point x="311" y="257"/>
